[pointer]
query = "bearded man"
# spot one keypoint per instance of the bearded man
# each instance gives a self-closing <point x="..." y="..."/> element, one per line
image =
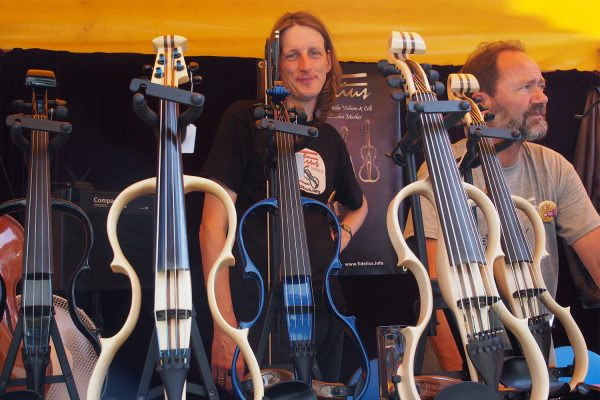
<point x="512" y="88"/>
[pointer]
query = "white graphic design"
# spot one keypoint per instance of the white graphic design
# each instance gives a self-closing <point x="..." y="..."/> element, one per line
<point x="311" y="171"/>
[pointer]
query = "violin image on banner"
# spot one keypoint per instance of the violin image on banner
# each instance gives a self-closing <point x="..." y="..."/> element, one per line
<point x="174" y="323"/>
<point x="368" y="171"/>
<point x="464" y="275"/>
<point x="51" y="342"/>
<point x="518" y="274"/>
<point x="290" y="263"/>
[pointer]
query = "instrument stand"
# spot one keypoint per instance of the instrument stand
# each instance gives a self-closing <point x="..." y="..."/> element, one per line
<point x="67" y="374"/>
<point x="207" y="390"/>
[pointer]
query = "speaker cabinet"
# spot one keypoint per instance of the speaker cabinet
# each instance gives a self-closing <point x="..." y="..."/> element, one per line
<point x="134" y="230"/>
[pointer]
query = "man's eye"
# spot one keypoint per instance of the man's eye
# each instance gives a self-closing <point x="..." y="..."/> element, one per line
<point x="290" y="56"/>
<point x="315" y="53"/>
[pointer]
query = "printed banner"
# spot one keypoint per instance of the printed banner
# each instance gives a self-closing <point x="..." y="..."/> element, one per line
<point x="366" y="119"/>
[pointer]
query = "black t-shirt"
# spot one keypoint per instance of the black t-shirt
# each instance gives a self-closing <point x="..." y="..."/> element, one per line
<point x="237" y="159"/>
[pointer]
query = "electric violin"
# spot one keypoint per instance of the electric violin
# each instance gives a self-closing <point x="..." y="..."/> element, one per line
<point x="173" y="289"/>
<point x="50" y="342"/>
<point x="368" y="172"/>
<point x="464" y="276"/>
<point x="290" y="246"/>
<point x="518" y="273"/>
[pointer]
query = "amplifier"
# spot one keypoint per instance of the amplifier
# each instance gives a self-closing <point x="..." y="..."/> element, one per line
<point x="134" y="229"/>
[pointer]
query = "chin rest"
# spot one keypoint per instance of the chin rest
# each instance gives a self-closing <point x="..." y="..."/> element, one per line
<point x="468" y="391"/>
<point x="515" y="375"/>
<point x="290" y="390"/>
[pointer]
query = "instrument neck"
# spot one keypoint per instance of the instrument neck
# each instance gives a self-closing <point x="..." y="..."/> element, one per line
<point x="456" y="218"/>
<point x="171" y="232"/>
<point x="513" y="240"/>
<point x="294" y="248"/>
<point x="38" y="238"/>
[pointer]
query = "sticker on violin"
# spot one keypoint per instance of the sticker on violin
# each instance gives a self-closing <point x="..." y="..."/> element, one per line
<point x="311" y="171"/>
<point x="187" y="147"/>
<point x="548" y="210"/>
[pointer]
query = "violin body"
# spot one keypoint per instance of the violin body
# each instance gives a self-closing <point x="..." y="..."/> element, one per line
<point x="34" y="315"/>
<point x="503" y="274"/>
<point x="518" y="273"/>
<point x="407" y="387"/>
<point x="11" y="255"/>
<point x="300" y="288"/>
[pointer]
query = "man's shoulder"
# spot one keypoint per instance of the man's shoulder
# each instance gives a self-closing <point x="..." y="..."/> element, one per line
<point x="543" y="154"/>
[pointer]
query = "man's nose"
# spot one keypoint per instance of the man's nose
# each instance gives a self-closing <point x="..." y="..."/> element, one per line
<point x="539" y="97"/>
<point x="303" y="62"/>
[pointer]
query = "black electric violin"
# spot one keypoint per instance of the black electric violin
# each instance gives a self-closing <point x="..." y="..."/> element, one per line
<point x="42" y="330"/>
<point x="518" y="273"/>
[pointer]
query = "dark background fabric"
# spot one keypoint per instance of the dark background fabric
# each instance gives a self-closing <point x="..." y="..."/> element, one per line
<point x="112" y="149"/>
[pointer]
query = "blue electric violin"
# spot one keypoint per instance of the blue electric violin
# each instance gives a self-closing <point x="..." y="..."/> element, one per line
<point x="288" y="238"/>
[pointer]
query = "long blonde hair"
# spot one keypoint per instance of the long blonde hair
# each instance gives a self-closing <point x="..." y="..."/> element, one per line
<point x="332" y="82"/>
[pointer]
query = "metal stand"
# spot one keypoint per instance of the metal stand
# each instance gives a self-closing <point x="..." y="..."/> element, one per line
<point x="17" y="339"/>
<point x="207" y="390"/>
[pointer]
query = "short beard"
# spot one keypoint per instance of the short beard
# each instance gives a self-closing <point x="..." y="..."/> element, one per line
<point x="530" y="130"/>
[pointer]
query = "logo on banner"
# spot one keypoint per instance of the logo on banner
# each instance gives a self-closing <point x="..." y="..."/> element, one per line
<point x="354" y="89"/>
<point x="311" y="171"/>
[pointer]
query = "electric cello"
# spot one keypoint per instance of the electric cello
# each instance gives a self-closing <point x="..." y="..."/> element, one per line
<point x="464" y="275"/>
<point x="51" y="343"/>
<point x="174" y="325"/>
<point x="518" y="273"/>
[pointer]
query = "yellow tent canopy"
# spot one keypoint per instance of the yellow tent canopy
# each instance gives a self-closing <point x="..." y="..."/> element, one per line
<point x="558" y="34"/>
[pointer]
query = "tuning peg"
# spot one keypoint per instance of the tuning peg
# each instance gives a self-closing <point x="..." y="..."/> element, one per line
<point x="395" y="80"/>
<point x="259" y="112"/>
<point x="438" y="88"/>
<point x="426" y="67"/>
<point x="193" y="66"/>
<point x="382" y="64"/>
<point x="386" y="69"/>
<point x="433" y="75"/>
<point x="147" y="70"/>
<point x="21" y="106"/>
<point x="179" y="66"/>
<point x="398" y="94"/>
<point x="489" y="117"/>
<point x="158" y="72"/>
<point x="482" y="107"/>
<point x="60" y="113"/>
<point x="176" y="53"/>
<point x="197" y="79"/>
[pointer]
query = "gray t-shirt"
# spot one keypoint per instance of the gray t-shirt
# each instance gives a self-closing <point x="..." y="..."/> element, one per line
<point x="540" y="174"/>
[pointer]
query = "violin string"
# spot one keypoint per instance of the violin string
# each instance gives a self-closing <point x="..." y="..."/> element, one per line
<point x="294" y="226"/>
<point x="508" y="238"/>
<point x="516" y="234"/>
<point x="175" y="179"/>
<point x="445" y="203"/>
<point x="439" y="150"/>
<point x="482" y="270"/>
